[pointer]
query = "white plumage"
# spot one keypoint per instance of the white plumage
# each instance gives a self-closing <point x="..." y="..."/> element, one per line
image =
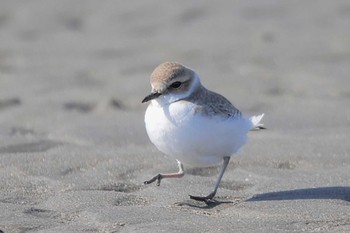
<point x="193" y="125"/>
<point x="197" y="140"/>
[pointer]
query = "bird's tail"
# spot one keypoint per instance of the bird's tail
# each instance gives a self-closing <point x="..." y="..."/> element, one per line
<point x="256" y="125"/>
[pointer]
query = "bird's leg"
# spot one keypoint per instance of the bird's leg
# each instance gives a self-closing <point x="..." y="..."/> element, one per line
<point x="159" y="177"/>
<point x="211" y="195"/>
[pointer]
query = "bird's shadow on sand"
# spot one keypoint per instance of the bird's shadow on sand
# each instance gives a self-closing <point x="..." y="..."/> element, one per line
<point x="327" y="193"/>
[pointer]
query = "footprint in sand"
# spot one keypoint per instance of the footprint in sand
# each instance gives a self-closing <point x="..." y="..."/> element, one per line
<point x="32" y="147"/>
<point x="42" y="213"/>
<point x="89" y="107"/>
<point x="121" y="187"/>
<point x="7" y="103"/>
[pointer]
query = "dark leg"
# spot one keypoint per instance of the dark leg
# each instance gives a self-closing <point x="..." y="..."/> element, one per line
<point x="159" y="177"/>
<point x="211" y="195"/>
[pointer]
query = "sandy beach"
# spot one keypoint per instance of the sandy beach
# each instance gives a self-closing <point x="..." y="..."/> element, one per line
<point x="74" y="152"/>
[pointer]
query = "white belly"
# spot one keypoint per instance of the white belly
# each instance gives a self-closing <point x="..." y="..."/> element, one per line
<point x="192" y="138"/>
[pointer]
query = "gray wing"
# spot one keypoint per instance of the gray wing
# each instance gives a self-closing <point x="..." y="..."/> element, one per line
<point x="213" y="104"/>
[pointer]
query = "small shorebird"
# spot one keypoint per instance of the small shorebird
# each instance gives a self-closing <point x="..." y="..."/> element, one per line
<point x="193" y="124"/>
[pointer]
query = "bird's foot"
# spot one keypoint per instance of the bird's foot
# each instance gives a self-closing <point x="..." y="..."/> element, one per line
<point x="207" y="199"/>
<point x="157" y="178"/>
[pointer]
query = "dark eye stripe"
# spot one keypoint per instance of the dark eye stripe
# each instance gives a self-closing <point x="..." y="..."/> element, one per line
<point x="176" y="85"/>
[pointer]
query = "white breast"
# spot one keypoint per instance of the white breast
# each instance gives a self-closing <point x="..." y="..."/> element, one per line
<point x="191" y="138"/>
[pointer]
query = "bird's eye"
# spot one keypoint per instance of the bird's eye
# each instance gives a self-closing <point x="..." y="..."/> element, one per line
<point x="175" y="85"/>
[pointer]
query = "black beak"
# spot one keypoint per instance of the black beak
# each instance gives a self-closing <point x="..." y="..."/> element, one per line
<point x="151" y="97"/>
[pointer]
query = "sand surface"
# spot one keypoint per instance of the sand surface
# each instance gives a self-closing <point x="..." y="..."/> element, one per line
<point x="73" y="149"/>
